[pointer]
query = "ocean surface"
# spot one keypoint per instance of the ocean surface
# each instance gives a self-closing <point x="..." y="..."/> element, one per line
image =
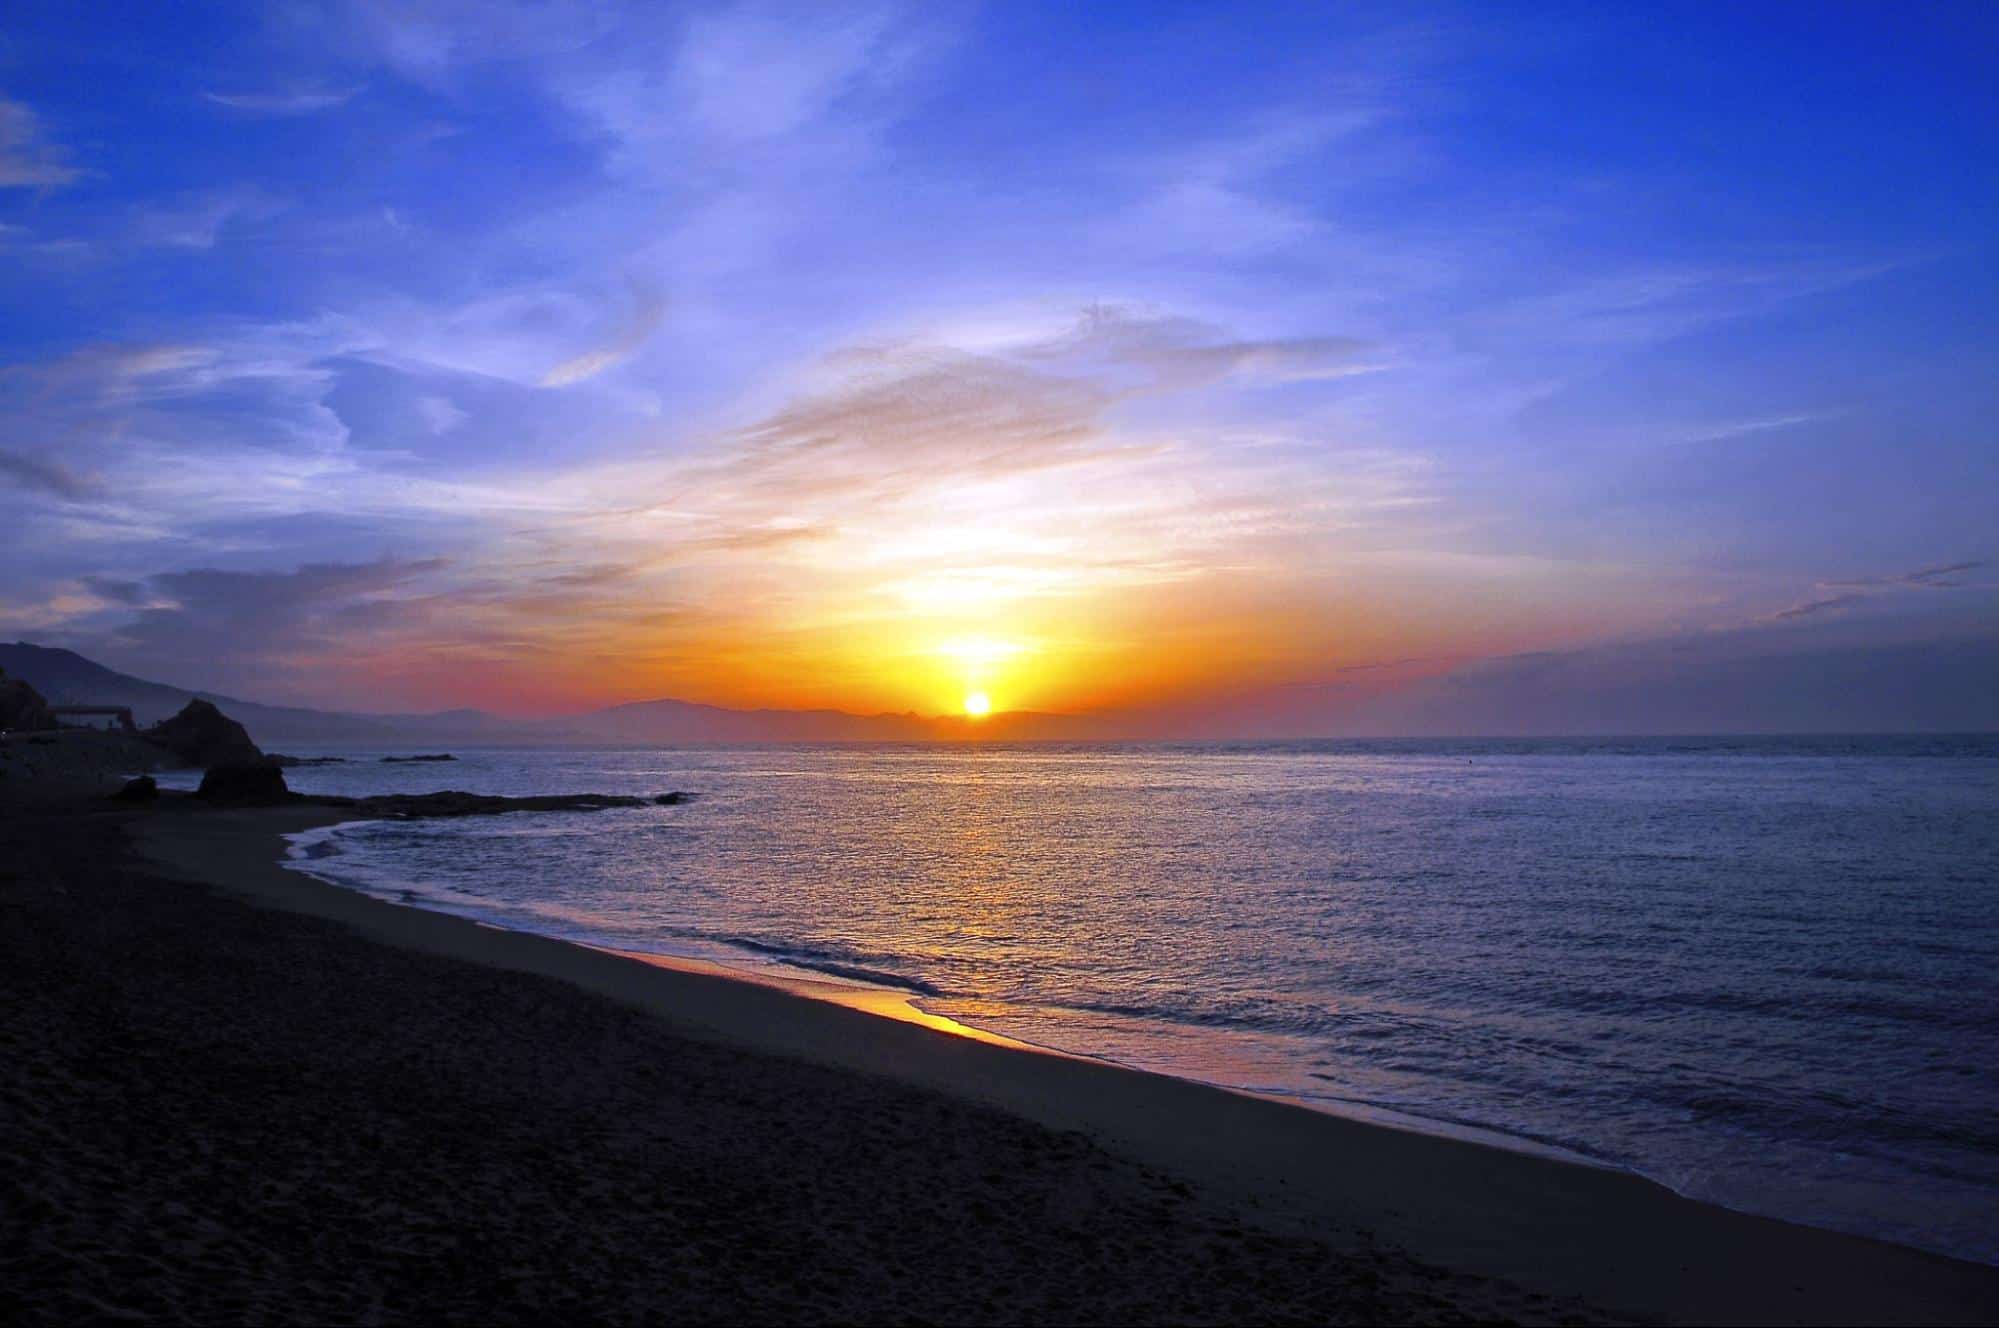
<point x="1764" y="972"/>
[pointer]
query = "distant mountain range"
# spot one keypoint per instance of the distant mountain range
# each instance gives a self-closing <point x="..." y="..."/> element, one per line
<point x="1746" y="681"/>
<point x="67" y="678"/>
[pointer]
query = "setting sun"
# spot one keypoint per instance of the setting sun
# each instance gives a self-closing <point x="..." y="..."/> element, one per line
<point x="978" y="705"/>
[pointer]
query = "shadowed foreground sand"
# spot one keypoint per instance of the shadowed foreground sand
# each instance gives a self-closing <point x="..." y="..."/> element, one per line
<point x="214" y="1110"/>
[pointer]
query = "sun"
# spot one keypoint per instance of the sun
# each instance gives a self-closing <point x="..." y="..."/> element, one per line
<point x="978" y="705"/>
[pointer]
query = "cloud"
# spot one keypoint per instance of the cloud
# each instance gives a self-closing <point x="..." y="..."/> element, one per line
<point x="908" y="485"/>
<point x="1939" y="576"/>
<point x="1212" y="198"/>
<point x="1020" y="404"/>
<point x="107" y="371"/>
<point x="20" y="242"/>
<point x="890" y="436"/>
<point x="441" y="413"/>
<point x="129" y="593"/>
<point x="1658" y="301"/>
<point x="1183" y="353"/>
<point x="1810" y="607"/>
<point x="285" y="101"/>
<point x="433" y="41"/>
<point x="751" y="73"/>
<point x="198" y="221"/>
<point x="50" y="477"/>
<point x="1946" y="576"/>
<point x="27" y="159"/>
<point x="648" y="311"/>
<point x="208" y="619"/>
<point x="146" y="415"/>
<point x="974" y="413"/>
<point x="1743" y="428"/>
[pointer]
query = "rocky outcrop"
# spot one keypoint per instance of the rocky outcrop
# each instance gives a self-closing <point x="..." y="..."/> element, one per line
<point x="142" y="789"/>
<point x="283" y="762"/>
<point x="22" y="709"/>
<point x="204" y="736"/>
<point x="405" y="760"/>
<point x="414" y="806"/>
<point x="245" y="784"/>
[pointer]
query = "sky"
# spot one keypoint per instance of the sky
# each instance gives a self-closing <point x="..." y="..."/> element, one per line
<point x="1294" y="369"/>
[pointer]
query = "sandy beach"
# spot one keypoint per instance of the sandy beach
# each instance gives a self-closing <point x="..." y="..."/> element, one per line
<point x="236" y="1093"/>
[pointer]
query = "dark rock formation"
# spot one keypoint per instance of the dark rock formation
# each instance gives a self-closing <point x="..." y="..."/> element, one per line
<point x="404" y="760"/>
<point x="142" y="789"/>
<point x="673" y="799"/>
<point x="246" y="784"/>
<point x="411" y="806"/>
<point x="283" y="762"/>
<point x="22" y="708"/>
<point x="204" y="736"/>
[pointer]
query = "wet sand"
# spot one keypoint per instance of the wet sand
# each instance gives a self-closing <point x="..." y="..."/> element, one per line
<point x="236" y="1092"/>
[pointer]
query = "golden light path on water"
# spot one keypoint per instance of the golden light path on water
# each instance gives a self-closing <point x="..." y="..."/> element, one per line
<point x="868" y="1000"/>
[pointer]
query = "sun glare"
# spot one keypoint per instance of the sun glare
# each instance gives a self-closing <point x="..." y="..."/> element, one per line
<point x="978" y="705"/>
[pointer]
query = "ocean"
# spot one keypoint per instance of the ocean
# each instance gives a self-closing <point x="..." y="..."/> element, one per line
<point x="1764" y="972"/>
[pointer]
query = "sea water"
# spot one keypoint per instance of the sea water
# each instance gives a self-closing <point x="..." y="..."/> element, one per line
<point x="1762" y="972"/>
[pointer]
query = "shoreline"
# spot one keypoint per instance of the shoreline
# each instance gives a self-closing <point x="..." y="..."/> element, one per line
<point x="901" y="1006"/>
<point x="899" y="1003"/>
<point x="1599" y="1235"/>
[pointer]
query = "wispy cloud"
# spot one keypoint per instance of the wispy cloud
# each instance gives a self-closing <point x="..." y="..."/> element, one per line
<point x="1811" y="606"/>
<point x="44" y="476"/>
<point x="1762" y="424"/>
<point x="285" y="101"/>
<point x="752" y="73"/>
<point x="1213" y="196"/>
<point x="1655" y="302"/>
<point x="198" y="221"/>
<point x="22" y="243"/>
<point x="1943" y="576"/>
<point x="648" y="310"/>
<point x="1181" y="353"/>
<point x="28" y="160"/>
<point x="1838" y="595"/>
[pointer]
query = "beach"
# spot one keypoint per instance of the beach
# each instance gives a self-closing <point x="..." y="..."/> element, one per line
<point x="236" y="1092"/>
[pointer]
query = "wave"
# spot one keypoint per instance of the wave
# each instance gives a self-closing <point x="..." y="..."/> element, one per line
<point x="834" y="963"/>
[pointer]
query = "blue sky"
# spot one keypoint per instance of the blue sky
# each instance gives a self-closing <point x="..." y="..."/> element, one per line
<point x="542" y="356"/>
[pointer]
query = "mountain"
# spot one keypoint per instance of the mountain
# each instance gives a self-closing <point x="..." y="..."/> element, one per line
<point x="67" y="678"/>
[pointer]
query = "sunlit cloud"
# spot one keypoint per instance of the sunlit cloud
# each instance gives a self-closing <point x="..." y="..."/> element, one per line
<point x="647" y="311"/>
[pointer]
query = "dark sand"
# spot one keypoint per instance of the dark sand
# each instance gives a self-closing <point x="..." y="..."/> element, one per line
<point x="276" y="1100"/>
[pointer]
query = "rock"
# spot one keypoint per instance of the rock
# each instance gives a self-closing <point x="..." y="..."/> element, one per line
<point x="283" y="762"/>
<point x="142" y="789"/>
<point x="22" y="709"/>
<point x="452" y="802"/>
<point x="245" y="784"/>
<point x="204" y="736"/>
<point x="404" y="760"/>
<point x="673" y="799"/>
